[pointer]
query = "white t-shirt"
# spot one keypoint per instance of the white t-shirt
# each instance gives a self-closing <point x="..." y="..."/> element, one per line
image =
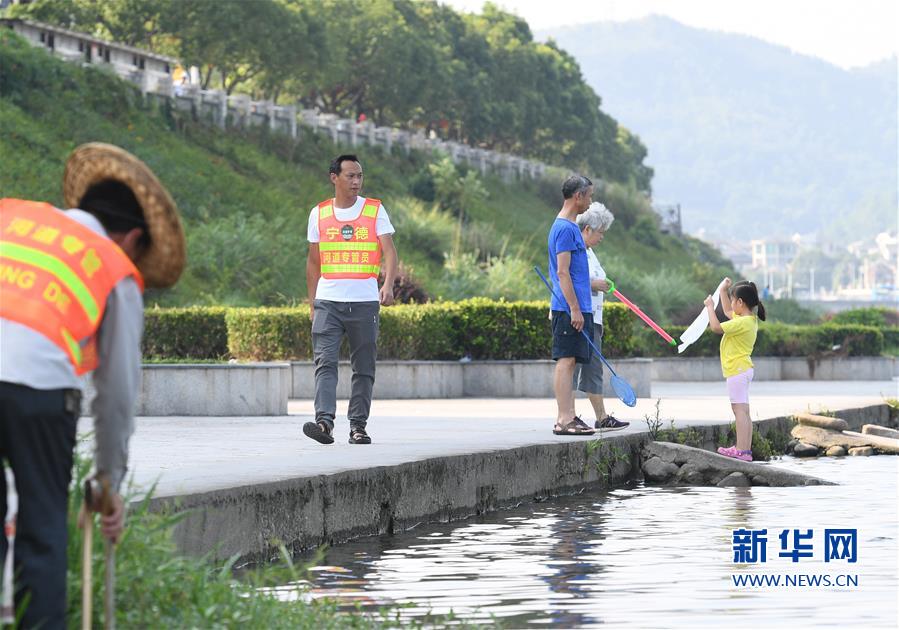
<point x="596" y="273"/>
<point x="348" y="290"/>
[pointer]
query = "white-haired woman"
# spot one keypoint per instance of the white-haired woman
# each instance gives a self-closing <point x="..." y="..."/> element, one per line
<point x="588" y="377"/>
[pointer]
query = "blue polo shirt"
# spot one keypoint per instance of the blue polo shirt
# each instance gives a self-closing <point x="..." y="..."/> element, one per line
<point x="564" y="236"/>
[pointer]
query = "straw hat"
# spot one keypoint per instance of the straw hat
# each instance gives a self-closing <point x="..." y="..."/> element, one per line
<point x="162" y="263"/>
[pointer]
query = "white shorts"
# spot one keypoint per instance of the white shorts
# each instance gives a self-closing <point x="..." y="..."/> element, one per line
<point x="738" y="387"/>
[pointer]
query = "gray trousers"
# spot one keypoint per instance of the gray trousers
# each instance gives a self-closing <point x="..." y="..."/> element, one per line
<point x="588" y="376"/>
<point x="359" y="321"/>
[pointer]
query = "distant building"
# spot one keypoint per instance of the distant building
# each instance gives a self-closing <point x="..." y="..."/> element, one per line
<point x="879" y="268"/>
<point x="737" y="252"/>
<point x="152" y="72"/>
<point x="670" y="218"/>
<point x="888" y="246"/>
<point x="773" y="254"/>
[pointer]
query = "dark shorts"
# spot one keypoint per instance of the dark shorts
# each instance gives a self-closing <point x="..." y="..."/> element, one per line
<point x="568" y="342"/>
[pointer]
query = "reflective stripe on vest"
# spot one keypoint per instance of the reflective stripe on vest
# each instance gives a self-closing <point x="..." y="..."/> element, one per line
<point x="349" y="250"/>
<point x="370" y="271"/>
<point x="56" y="267"/>
<point x="56" y="276"/>
<point x="348" y="246"/>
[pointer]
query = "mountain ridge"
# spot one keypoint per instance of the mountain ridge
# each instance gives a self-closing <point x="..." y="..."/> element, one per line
<point x="750" y="137"/>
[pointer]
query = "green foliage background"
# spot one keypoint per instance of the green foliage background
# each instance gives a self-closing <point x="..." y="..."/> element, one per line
<point x="245" y="198"/>
<point x="477" y="78"/>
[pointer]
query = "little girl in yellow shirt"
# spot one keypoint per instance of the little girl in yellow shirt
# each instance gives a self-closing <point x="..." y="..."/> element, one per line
<point x="736" y="360"/>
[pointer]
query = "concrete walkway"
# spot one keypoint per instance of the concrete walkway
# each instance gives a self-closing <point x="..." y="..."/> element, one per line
<point x="194" y="455"/>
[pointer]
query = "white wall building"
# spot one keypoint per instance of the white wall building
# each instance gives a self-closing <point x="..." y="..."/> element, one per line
<point x="150" y="71"/>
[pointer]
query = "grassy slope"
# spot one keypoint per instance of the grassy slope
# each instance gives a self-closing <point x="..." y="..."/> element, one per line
<point x="245" y="196"/>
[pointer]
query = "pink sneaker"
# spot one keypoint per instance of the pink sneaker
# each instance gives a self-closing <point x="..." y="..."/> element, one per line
<point x="733" y="451"/>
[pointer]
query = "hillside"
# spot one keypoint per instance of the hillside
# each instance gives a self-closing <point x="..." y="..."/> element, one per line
<point x="476" y="78"/>
<point x="245" y="198"/>
<point x="752" y="139"/>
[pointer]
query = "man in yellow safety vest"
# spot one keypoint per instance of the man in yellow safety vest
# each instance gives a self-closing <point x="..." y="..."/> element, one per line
<point x="350" y="240"/>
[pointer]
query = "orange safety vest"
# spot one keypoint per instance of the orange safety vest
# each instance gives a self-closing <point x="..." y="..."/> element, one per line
<point x="55" y="277"/>
<point x="349" y="251"/>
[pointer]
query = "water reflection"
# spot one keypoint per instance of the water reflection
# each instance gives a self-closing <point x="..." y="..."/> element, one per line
<point x="638" y="557"/>
<point x="572" y="554"/>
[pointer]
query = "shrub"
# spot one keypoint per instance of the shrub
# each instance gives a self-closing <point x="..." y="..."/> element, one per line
<point x="504" y="330"/>
<point x="890" y="340"/>
<point x="424" y="228"/>
<point x="421" y="331"/>
<point x="646" y="231"/>
<point x="454" y="190"/>
<point x="521" y="330"/>
<point x="270" y="334"/>
<point x="231" y="260"/>
<point x="421" y="186"/>
<point x="619" y="339"/>
<point x="626" y="202"/>
<point x="478" y="328"/>
<point x="185" y="333"/>
<point x="878" y="316"/>
<point x="462" y="276"/>
<point x="782" y="340"/>
<point x="511" y="278"/>
<point x="157" y="586"/>
<point x="789" y="311"/>
<point x="664" y="293"/>
<point x="762" y="450"/>
<point x="818" y="341"/>
<point x="548" y="189"/>
<point x="406" y="289"/>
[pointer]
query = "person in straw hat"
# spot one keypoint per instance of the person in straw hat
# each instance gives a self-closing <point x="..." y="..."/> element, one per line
<point x="71" y="284"/>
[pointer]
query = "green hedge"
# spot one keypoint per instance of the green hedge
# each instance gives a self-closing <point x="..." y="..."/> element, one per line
<point x="269" y="334"/>
<point x="477" y="328"/>
<point x="890" y="339"/>
<point x="185" y="333"/>
<point x="419" y="331"/>
<point x="774" y="339"/>
<point x="521" y="330"/>
<point x="820" y="341"/>
<point x="407" y="332"/>
<point x="879" y="316"/>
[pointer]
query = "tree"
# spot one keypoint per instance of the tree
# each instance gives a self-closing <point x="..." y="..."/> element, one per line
<point x="479" y="79"/>
<point x="454" y="192"/>
<point x="238" y="42"/>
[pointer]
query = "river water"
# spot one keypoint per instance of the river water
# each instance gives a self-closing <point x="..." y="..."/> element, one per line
<point x="645" y="557"/>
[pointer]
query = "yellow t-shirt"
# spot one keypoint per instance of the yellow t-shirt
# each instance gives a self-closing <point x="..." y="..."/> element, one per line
<point x="737" y="343"/>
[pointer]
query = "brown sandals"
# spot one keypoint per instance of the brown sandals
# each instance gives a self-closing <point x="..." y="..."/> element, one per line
<point x="575" y="427"/>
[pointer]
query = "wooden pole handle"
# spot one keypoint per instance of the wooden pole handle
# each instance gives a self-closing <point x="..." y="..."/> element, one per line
<point x="86" y="570"/>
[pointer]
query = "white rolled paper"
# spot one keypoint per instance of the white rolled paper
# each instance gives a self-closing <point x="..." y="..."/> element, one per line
<point x="695" y="330"/>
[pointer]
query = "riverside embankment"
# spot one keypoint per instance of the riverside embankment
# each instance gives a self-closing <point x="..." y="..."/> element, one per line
<point x="251" y="481"/>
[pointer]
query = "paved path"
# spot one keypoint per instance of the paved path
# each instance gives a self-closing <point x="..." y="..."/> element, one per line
<point x="196" y="454"/>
